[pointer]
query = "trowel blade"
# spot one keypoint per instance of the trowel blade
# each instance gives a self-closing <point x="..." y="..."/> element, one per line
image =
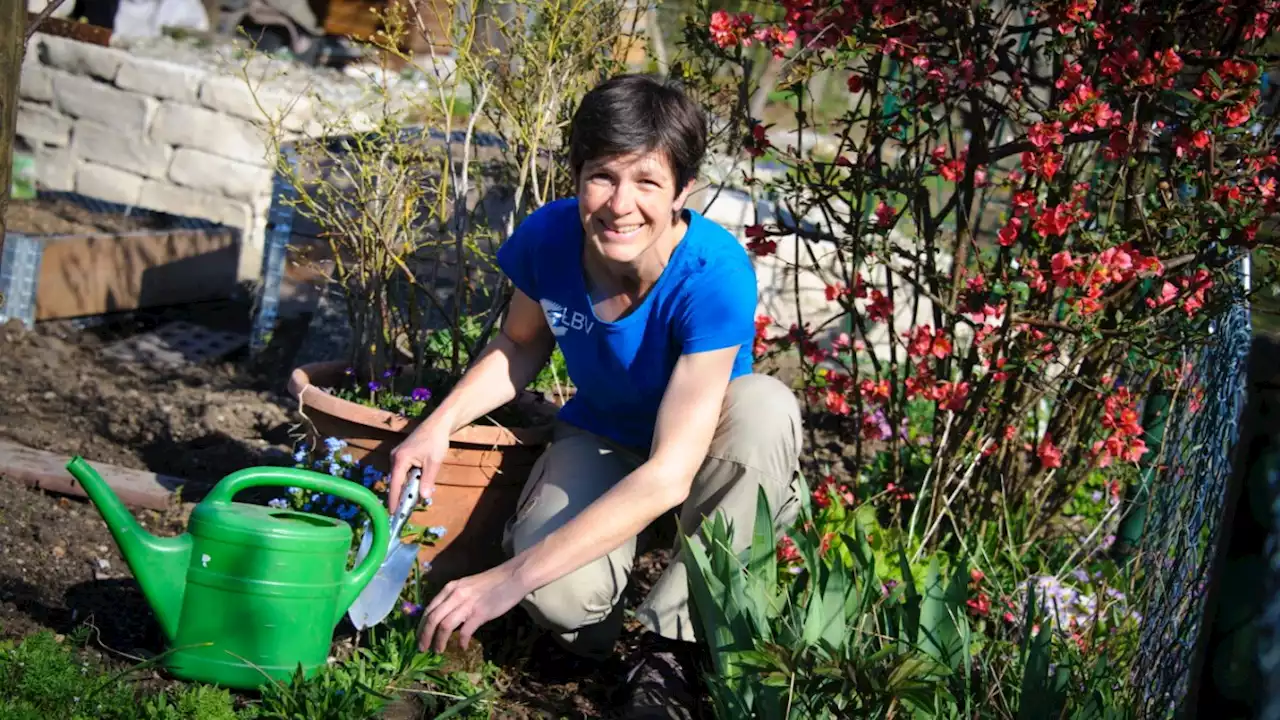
<point x="364" y="612"/>
<point x="380" y="595"/>
<point x="366" y="542"/>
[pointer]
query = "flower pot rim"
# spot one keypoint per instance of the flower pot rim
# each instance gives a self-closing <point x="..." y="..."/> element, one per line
<point x="304" y="388"/>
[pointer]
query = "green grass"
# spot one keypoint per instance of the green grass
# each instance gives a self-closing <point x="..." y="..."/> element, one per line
<point x="44" y="676"/>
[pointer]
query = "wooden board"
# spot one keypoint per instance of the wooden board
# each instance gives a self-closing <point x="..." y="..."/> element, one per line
<point x="48" y="471"/>
<point x="73" y="29"/>
<point x="92" y="275"/>
<point x="355" y="19"/>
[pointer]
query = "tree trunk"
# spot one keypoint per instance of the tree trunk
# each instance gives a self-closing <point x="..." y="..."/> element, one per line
<point x="13" y="26"/>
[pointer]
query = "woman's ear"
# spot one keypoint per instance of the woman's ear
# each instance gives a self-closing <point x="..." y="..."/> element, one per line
<point x="677" y="205"/>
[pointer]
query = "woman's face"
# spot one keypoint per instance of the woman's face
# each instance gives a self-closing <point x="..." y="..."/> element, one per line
<point x="629" y="204"/>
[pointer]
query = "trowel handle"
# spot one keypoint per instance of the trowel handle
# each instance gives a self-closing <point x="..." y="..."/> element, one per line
<point x="408" y="500"/>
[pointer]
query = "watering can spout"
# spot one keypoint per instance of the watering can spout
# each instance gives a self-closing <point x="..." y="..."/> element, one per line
<point x="158" y="563"/>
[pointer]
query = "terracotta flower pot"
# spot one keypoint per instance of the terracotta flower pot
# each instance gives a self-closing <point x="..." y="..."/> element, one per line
<point x="477" y="487"/>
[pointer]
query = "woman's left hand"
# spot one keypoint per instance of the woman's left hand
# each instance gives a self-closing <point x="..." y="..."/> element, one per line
<point x="466" y="604"/>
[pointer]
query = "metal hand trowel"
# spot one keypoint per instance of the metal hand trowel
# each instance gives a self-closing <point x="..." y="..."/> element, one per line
<point x="380" y="595"/>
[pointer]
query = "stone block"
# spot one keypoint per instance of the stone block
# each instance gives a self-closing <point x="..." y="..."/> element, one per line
<point x="135" y="153"/>
<point x="162" y="79"/>
<point x="43" y="124"/>
<point x="56" y="169"/>
<point x="204" y="171"/>
<point x="203" y="129"/>
<point x="36" y="81"/>
<point x="81" y="97"/>
<point x="80" y="58"/>
<point x="177" y="200"/>
<point x="262" y="103"/>
<point x="108" y="183"/>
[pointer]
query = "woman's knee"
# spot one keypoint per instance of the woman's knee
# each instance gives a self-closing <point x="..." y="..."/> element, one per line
<point x="580" y="599"/>
<point x="760" y="424"/>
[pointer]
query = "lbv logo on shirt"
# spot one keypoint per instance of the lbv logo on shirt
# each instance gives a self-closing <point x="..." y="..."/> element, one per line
<point x="562" y="321"/>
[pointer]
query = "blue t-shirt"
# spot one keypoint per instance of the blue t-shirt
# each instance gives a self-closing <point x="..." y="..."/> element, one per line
<point x="704" y="300"/>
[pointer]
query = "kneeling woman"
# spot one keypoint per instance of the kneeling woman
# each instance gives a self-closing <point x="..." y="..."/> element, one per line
<point x="653" y="307"/>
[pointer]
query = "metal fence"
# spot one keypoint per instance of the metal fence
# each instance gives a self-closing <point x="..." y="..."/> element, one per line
<point x="1184" y="523"/>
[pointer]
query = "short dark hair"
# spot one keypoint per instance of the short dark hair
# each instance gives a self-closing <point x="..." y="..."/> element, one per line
<point x="639" y="113"/>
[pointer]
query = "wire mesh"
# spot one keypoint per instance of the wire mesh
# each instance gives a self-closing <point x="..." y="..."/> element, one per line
<point x="1185" y="516"/>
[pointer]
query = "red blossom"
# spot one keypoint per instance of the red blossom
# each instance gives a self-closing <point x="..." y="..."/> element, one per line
<point x="1044" y="135"/>
<point x="1045" y="164"/>
<point x="881" y="307"/>
<point x="761" y="343"/>
<point x="787" y="551"/>
<point x="758" y="241"/>
<point x="728" y="30"/>
<point x="1008" y="234"/>
<point x="980" y="605"/>
<point x="924" y="342"/>
<point x="1054" y="221"/>
<point x="837" y="403"/>
<point x="884" y="214"/>
<point x="1072" y="75"/>
<point x="1049" y="454"/>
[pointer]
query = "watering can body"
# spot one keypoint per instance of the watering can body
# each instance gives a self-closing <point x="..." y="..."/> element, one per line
<point x="250" y="592"/>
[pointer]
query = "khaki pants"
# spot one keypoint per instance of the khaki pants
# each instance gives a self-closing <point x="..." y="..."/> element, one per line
<point x="756" y="444"/>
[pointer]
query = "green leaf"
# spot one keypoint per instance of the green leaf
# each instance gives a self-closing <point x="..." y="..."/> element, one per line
<point x="938" y="633"/>
<point x="837" y="589"/>
<point x="762" y="564"/>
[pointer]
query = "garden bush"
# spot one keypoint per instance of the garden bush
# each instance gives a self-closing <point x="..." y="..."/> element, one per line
<point x="1005" y="241"/>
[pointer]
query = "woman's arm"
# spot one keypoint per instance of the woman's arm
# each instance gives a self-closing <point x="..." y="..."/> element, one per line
<point x="505" y="367"/>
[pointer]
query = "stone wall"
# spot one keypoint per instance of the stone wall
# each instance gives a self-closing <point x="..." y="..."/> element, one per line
<point x="167" y="126"/>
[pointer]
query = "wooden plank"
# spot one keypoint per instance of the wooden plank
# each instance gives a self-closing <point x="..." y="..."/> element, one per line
<point x="48" y="471"/>
<point x="73" y="29"/>
<point x="93" y="275"/>
<point x="13" y="28"/>
<point x="355" y="19"/>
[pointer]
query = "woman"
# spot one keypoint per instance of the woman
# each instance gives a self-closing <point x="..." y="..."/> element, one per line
<point x="653" y="308"/>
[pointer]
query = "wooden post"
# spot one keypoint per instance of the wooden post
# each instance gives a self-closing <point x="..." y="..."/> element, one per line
<point x="13" y="28"/>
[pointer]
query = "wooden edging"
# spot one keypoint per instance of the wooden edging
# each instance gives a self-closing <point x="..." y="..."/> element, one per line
<point x="48" y="471"/>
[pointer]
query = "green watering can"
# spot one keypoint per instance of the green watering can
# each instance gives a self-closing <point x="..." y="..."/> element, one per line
<point x="249" y="592"/>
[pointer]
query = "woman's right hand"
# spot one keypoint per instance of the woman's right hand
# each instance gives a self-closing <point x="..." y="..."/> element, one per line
<point x="425" y="448"/>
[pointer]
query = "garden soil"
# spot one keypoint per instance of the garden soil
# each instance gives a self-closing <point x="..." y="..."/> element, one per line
<point x="60" y="568"/>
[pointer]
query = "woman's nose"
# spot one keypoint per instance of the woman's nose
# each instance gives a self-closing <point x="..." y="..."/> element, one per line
<point x="622" y="200"/>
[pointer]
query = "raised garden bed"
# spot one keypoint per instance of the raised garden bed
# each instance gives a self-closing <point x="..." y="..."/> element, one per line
<point x="95" y="262"/>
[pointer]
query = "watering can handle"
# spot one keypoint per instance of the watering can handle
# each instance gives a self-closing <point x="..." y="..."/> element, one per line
<point x="360" y="575"/>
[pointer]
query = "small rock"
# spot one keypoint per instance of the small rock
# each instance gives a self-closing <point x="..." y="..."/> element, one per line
<point x="103" y="564"/>
<point x="102" y="548"/>
<point x="50" y="395"/>
<point x="59" y="551"/>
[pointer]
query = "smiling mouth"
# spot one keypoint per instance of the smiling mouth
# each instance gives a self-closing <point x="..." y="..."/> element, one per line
<point x="627" y="230"/>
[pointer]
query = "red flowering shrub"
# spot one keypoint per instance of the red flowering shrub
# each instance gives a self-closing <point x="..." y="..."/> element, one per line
<point x="1026" y="215"/>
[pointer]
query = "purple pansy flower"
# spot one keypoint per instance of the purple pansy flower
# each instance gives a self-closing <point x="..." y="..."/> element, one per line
<point x="420" y="395"/>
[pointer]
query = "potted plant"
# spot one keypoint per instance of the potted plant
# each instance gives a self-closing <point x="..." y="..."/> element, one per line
<point x="412" y="209"/>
